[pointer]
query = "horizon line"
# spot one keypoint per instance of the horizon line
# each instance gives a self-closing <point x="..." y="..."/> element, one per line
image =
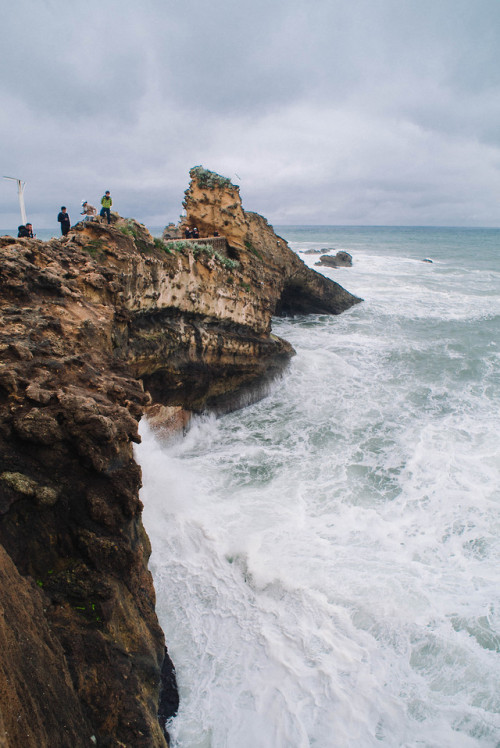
<point x="322" y="226"/>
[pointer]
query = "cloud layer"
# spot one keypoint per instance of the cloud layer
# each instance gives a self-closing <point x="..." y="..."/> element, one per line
<point x="372" y="112"/>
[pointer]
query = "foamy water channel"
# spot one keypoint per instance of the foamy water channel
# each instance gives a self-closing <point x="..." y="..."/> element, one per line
<point x="326" y="561"/>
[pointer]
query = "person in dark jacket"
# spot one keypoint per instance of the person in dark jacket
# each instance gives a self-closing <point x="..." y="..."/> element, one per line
<point x="64" y="220"/>
<point x="25" y="232"/>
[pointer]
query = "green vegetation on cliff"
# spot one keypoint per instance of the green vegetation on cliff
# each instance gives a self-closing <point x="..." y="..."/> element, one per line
<point x="209" y="179"/>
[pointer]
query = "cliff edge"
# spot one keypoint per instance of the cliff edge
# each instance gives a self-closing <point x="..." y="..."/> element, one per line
<point x="96" y="328"/>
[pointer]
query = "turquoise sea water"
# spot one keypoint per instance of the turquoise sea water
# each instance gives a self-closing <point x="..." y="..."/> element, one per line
<point x="327" y="560"/>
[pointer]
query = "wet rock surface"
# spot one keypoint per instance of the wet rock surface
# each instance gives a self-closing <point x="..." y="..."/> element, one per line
<point x="340" y="260"/>
<point x="96" y="328"/>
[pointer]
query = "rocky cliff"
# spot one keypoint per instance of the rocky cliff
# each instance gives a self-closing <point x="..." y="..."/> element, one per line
<point x="213" y="205"/>
<point x="96" y="328"/>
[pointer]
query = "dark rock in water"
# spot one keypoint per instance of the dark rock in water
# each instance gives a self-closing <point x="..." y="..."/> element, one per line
<point x="341" y="260"/>
<point x="426" y="260"/>
<point x="169" y="695"/>
<point x="313" y="251"/>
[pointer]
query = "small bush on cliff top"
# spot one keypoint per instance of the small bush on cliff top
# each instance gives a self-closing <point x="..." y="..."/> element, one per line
<point x="129" y="230"/>
<point x="209" y="179"/>
<point x="94" y="247"/>
<point x="159" y="244"/>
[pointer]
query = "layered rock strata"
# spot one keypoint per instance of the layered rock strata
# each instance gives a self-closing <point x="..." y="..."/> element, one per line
<point x="97" y="327"/>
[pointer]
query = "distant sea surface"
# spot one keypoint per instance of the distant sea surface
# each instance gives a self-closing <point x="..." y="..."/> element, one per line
<point x="327" y="560"/>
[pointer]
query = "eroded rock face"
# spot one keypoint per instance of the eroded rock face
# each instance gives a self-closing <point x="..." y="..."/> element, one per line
<point x="35" y="680"/>
<point x="95" y="328"/>
<point x="74" y="552"/>
<point x="212" y="203"/>
<point x="191" y="327"/>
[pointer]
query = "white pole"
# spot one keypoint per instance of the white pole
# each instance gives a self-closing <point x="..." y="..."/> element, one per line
<point x="20" y="193"/>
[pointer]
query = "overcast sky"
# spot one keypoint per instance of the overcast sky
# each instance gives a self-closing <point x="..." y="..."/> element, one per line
<point x="323" y="111"/>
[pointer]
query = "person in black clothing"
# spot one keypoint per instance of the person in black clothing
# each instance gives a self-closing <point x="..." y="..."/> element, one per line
<point x="188" y="233"/>
<point x="196" y="233"/>
<point x="25" y="232"/>
<point x="64" y="220"/>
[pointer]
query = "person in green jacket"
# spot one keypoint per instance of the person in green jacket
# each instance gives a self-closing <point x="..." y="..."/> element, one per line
<point x="106" y="203"/>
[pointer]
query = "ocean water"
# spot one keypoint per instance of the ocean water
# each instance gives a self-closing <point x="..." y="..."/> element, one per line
<point x="327" y="560"/>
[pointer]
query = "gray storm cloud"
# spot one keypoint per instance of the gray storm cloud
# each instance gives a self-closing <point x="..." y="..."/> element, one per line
<point x="373" y="112"/>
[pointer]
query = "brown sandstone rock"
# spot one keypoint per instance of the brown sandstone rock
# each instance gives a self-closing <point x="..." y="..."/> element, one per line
<point x="95" y="327"/>
<point x="274" y="273"/>
<point x="39" y="705"/>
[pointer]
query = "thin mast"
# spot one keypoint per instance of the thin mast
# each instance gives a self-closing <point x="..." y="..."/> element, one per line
<point x="20" y="193"/>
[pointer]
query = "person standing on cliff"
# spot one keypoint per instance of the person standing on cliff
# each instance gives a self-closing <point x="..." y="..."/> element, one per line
<point x="64" y="220"/>
<point x="88" y="211"/>
<point x="106" y="203"/>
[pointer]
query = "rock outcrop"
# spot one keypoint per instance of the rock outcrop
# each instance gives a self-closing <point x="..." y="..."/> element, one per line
<point x="213" y="204"/>
<point x="340" y="260"/>
<point x="171" y="231"/>
<point x="96" y="328"/>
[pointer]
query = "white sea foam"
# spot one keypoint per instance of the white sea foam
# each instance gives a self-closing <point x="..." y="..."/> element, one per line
<point x="326" y="560"/>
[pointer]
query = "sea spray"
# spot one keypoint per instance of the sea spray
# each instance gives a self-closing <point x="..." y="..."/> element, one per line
<point x="326" y="559"/>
